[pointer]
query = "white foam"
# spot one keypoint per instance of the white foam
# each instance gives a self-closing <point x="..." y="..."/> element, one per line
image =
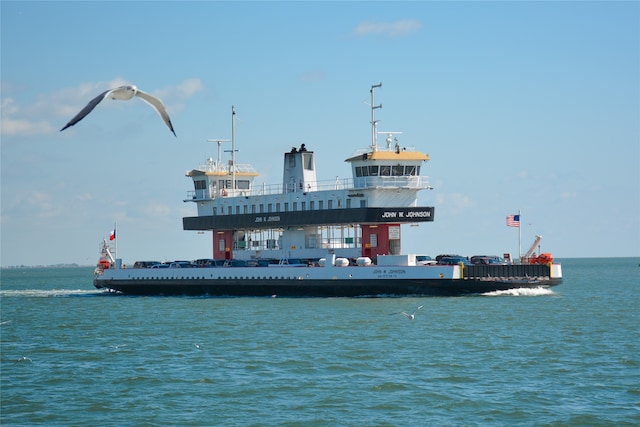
<point x="48" y="293"/>
<point x="527" y="292"/>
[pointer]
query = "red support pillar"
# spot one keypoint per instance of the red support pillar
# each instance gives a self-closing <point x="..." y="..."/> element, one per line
<point x="223" y="244"/>
<point x="375" y="239"/>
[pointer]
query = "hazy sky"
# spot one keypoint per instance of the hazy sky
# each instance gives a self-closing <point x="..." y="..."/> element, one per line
<point x="521" y="105"/>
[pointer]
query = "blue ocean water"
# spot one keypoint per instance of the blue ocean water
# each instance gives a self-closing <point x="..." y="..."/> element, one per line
<point x="72" y="355"/>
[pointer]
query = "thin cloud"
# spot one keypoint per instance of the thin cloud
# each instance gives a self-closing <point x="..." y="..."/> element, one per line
<point x="184" y="90"/>
<point x="190" y="87"/>
<point x="41" y="204"/>
<point x="389" y="29"/>
<point x="13" y="124"/>
<point x="155" y="209"/>
<point x="455" y="202"/>
<point x="175" y="97"/>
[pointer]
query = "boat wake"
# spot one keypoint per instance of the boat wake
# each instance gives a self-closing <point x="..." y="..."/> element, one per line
<point x="50" y="293"/>
<point x="521" y="292"/>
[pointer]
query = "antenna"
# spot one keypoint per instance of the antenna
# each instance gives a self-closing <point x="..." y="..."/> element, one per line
<point x="233" y="148"/>
<point x="219" y="141"/>
<point x="390" y="137"/>
<point x="374" y="122"/>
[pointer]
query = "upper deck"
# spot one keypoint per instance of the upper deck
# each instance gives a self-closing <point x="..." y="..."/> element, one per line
<point x="382" y="177"/>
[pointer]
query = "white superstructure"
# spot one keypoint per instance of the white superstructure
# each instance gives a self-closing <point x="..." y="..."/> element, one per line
<point x="317" y="213"/>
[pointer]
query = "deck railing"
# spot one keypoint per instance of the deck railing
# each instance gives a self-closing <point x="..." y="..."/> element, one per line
<point x="360" y="183"/>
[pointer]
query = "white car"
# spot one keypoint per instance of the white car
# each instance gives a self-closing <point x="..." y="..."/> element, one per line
<point x="425" y="260"/>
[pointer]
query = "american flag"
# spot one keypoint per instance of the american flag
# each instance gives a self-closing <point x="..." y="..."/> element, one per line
<point x="513" y="221"/>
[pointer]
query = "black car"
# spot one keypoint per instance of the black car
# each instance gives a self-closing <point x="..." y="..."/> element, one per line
<point x="208" y="262"/>
<point x="487" y="260"/>
<point x="145" y="264"/>
<point x="439" y="257"/>
<point x="453" y="260"/>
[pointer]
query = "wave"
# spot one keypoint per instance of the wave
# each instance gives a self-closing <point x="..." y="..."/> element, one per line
<point x="50" y="293"/>
<point x="519" y="292"/>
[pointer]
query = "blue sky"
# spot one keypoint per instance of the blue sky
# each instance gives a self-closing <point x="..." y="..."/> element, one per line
<point x="521" y="105"/>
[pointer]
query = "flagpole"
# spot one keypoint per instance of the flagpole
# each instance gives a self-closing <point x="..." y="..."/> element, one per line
<point x="519" y="237"/>
<point x="115" y="230"/>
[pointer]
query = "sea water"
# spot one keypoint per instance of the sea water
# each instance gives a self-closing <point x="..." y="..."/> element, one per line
<point x="74" y="356"/>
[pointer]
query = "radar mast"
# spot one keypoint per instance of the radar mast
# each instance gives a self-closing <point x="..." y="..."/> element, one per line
<point x="374" y="122"/>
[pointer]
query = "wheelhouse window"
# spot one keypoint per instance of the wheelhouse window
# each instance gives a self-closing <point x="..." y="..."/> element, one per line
<point x="241" y="184"/>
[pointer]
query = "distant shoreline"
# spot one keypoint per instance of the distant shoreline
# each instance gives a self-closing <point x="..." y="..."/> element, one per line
<point x="72" y="265"/>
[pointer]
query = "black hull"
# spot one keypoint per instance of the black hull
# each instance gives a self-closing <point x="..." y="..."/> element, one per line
<point x="316" y="288"/>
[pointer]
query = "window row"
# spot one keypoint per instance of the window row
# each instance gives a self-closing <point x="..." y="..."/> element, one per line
<point x="287" y="207"/>
<point x="241" y="184"/>
<point x="387" y="170"/>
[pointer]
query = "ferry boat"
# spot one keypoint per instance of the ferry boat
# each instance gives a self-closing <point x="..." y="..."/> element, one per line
<point x="309" y="238"/>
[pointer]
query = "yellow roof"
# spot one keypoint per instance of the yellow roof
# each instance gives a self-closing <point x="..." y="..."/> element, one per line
<point x="391" y="155"/>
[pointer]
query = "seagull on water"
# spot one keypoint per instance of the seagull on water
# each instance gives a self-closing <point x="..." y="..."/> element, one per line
<point x="411" y="316"/>
<point x="124" y="93"/>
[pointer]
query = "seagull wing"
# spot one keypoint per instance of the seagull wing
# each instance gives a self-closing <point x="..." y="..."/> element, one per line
<point x="407" y="315"/>
<point x="159" y="107"/>
<point x="88" y="108"/>
<point x="414" y="311"/>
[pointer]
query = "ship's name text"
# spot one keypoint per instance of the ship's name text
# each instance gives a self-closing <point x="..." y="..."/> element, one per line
<point x="392" y="273"/>
<point x="402" y="214"/>
<point x="274" y="218"/>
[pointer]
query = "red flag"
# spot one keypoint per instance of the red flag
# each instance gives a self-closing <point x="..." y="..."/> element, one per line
<point x="112" y="235"/>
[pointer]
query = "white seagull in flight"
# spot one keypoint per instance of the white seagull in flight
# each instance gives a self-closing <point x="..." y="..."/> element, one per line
<point x="124" y="93"/>
<point x="411" y="316"/>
